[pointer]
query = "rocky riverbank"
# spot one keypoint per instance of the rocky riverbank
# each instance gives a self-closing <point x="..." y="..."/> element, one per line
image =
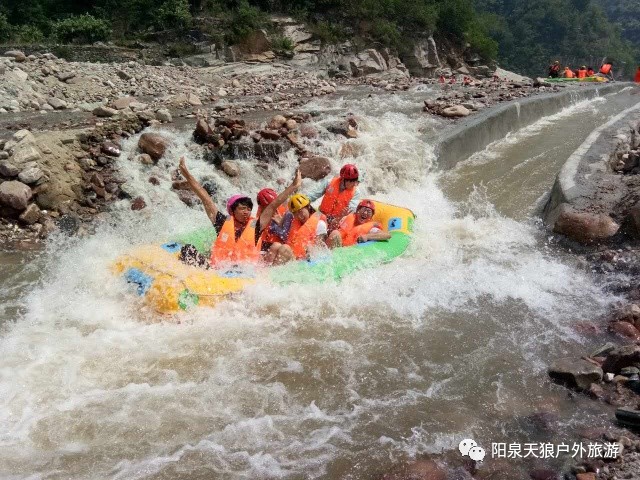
<point x="57" y="167"/>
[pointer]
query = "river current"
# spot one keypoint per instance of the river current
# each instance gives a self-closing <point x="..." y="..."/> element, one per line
<point x="337" y="380"/>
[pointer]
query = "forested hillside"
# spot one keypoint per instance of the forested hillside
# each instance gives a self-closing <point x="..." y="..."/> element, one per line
<point x="522" y="35"/>
<point x="531" y="34"/>
<point x="626" y="14"/>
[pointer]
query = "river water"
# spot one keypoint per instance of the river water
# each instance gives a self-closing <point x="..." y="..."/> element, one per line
<point x="338" y="380"/>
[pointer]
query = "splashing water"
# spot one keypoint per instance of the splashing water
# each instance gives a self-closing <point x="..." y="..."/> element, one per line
<point x="337" y="380"/>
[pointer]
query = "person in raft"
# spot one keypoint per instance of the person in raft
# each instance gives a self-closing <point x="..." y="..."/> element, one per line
<point x="308" y="229"/>
<point x="554" y="69"/>
<point x="358" y="227"/>
<point x="240" y="235"/>
<point x="607" y="70"/>
<point x="278" y="227"/>
<point x="340" y="195"/>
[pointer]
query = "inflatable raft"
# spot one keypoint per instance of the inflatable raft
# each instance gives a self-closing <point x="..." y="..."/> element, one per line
<point x="168" y="285"/>
<point x="586" y="79"/>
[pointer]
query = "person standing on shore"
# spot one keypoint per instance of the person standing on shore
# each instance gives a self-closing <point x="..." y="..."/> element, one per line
<point x="637" y="77"/>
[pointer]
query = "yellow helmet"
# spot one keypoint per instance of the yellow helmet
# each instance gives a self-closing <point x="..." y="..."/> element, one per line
<point x="297" y="202"/>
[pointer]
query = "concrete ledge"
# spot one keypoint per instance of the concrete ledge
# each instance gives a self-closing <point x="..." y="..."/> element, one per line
<point x="586" y="181"/>
<point x="474" y="134"/>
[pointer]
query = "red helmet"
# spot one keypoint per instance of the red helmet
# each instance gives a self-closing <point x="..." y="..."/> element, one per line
<point x="349" y="172"/>
<point x="367" y="204"/>
<point x="266" y="196"/>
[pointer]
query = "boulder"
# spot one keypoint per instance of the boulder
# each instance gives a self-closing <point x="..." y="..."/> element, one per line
<point x="30" y="175"/>
<point x="194" y="100"/>
<point x="15" y="194"/>
<point x="57" y="104"/>
<point x="291" y="124"/>
<point x="164" y="115"/>
<point x="153" y="144"/>
<point x="575" y="373"/>
<point x="110" y="149"/>
<point x="25" y="153"/>
<point x="8" y="169"/>
<point x="621" y="357"/>
<point x="422" y="59"/>
<point x="256" y="42"/>
<point x="202" y="131"/>
<point x="541" y="82"/>
<point x="315" y="168"/>
<point x="121" y="103"/>
<point x="31" y="214"/>
<point x="276" y="122"/>
<point x="584" y="227"/>
<point x="625" y="329"/>
<point x="17" y="55"/>
<point x="104" y="112"/>
<point x="145" y="159"/>
<point x="230" y="168"/>
<point x="343" y="128"/>
<point x="455" y="111"/>
<point x="367" y="62"/>
<point x="63" y="77"/>
<point x="138" y="203"/>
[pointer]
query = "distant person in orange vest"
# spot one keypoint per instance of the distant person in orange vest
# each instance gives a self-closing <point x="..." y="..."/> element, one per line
<point x="239" y="235"/>
<point x="358" y="227"/>
<point x="582" y="72"/>
<point x="568" y="73"/>
<point x="607" y="70"/>
<point x="340" y="195"/>
<point x="554" y="69"/>
<point x="637" y="77"/>
<point x="590" y="72"/>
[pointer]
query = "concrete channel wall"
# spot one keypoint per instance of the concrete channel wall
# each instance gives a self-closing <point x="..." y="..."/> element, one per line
<point x="474" y="134"/>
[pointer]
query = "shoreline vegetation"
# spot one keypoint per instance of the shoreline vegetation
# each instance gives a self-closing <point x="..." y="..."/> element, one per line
<point x="521" y="36"/>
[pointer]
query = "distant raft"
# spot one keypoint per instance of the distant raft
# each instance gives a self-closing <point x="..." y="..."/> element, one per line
<point x="586" y="79"/>
<point x="168" y="285"/>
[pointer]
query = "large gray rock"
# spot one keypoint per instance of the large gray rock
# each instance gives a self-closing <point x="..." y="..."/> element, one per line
<point x="15" y="194"/>
<point x="105" y="112"/>
<point x="422" y="60"/>
<point x="367" y="62"/>
<point x="30" y="175"/>
<point x="25" y="153"/>
<point x="8" y="169"/>
<point x="456" y="111"/>
<point x="575" y="373"/>
<point x="57" y="104"/>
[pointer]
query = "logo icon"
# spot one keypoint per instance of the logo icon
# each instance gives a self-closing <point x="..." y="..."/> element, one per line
<point x="469" y="448"/>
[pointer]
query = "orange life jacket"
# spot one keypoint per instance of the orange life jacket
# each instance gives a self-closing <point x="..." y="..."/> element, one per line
<point x="301" y="236"/>
<point x="582" y="73"/>
<point x="228" y="249"/>
<point x="267" y="236"/>
<point x="335" y="202"/>
<point x="605" y="69"/>
<point x="568" y="73"/>
<point x="350" y="232"/>
<point x="590" y="72"/>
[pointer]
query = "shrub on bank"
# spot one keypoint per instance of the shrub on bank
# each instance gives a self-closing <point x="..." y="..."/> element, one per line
<point x="81" y="29"/>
